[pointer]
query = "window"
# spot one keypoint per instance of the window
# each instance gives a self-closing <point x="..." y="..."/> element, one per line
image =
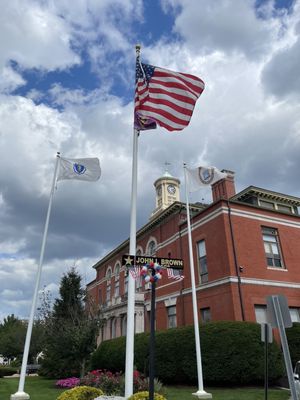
<point x="282" y="207"/>
<point x="151" y="248"/>
<point x="271" y="245"/>
<point x="113" y="327"/>
<point x="117" y="288"/>
<point x="108" y="284"/>
<point x="205" y="314"/>
<point x="108" y="291"/>
<point x="295" y="314"/>
<point x="260" y="314"/>
<point x="117" y="270"/>
<point x="125" y="283"/>
<point x="172" y="321"/>
<point x="124" y="325"/>
<point x="202" y="261"/>
<point x="266" y="204"/>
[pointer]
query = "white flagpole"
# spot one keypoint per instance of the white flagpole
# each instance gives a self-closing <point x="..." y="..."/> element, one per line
<point x="131" y="281"/>
<point x="200" y="392"/>
<point x="20" y="394"/>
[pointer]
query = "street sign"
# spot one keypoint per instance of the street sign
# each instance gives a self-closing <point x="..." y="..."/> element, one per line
<point x="278" y="316"/>
<point x="284" y="308"/>
<point x="266" y="333"/>
<point x="129" y="260"/>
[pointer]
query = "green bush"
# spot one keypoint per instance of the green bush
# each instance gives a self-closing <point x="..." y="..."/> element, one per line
<point x="293" y="337"/>
<point x="110" y="355"/>
<point x="80" y="393"/>
<point x="232" y="353"/>
<point x="7" y="371"/>
<point x="145" y="396"/>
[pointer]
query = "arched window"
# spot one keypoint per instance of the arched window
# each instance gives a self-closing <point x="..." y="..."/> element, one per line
<point x="117" y="276"/>
<point x="117" y="270"/>
<point x="108" y="273"/>
<point x="151" y="250"/>
<point x="139" y="251"/>
<point x="108" y="283"/>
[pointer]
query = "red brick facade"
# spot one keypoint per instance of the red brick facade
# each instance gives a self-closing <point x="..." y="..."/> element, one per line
<point x="238" y="275"/>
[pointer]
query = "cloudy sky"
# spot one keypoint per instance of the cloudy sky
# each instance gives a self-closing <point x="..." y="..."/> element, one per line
<point x="67" y="84"/>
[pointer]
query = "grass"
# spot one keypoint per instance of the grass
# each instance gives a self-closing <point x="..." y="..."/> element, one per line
<point x="252" y="393"/>
<point x="38" y="388"/>
<point x="44" y="389"/>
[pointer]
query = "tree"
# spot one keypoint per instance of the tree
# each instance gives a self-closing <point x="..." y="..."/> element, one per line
<point x="12" y="338"/>
<point x="71" y="330"/>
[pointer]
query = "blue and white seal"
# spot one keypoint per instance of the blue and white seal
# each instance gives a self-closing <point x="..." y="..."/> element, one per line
<point x="79" y="169"/>
<point x="206" y="175"/>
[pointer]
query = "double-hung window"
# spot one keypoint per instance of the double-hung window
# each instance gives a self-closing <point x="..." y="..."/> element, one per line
<point x="172" y="320"/>
<point x="272" y="247"/>
<point x="202" y="261"/>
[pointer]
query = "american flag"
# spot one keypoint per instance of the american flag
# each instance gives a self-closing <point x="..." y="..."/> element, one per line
<point x="135" y="271"/>
<point x="172" y="275"/>
<point x="164" y="97"/>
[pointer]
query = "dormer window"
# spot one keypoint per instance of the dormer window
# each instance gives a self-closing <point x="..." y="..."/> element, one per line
<point x="266" y="204"/>
<point x="283" y="207"/>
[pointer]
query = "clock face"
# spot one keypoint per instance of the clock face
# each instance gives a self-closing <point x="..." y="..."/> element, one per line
<point x="171" y="189"/>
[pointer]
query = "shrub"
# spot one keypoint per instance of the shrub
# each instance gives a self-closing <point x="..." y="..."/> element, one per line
<point x="109" y="383"/>
<point x="68" y="382"/>
<point x="110" y="355"/>
<point x="80" y="393"/>
<point x="293" y="335"/>
<point x="7" y="371"/>
<point x="145" y="396"/>
<point x="232" y="353"/>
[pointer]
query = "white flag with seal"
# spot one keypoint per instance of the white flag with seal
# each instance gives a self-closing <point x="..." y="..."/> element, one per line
<point x="203" y="176"/>
<point x="83" y="169"/>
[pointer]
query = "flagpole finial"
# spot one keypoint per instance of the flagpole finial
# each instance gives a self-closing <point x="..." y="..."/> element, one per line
<point x="138" y="49"/>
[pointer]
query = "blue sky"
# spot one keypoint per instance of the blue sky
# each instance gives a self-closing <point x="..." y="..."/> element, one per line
<point x="67" y="84"/>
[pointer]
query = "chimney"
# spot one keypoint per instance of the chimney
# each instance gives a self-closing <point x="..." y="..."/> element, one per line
<point x="224" y="188"/>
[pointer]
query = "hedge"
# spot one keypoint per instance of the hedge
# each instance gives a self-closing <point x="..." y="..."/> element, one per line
<point x="293" y="337"/>
<point x="7" y="371"/>
<point x="232" y="353"/>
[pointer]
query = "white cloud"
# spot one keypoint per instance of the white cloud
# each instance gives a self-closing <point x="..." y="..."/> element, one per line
<point x="236" y="124"/>
<point x="230" y="26"/>
<point x="37" y="38"/>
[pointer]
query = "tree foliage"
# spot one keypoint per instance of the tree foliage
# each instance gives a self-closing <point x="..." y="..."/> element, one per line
<point x="12" y="338"/>
<point x="71" y="330"/>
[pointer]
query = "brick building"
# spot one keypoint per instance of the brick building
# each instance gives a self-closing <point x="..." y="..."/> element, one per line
<point x="246" y="246"/>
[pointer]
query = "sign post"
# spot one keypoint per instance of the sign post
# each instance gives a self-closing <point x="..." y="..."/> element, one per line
<point x="266" y="337"/>
<point x="278" y="315"/>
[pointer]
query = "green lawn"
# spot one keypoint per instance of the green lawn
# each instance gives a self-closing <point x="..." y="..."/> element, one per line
<point x="185" y="393"/>
<point x="44" y="389"/>
<point x="38" y="388"/>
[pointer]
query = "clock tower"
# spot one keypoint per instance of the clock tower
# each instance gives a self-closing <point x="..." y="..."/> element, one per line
<point x="167" y="192"/>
